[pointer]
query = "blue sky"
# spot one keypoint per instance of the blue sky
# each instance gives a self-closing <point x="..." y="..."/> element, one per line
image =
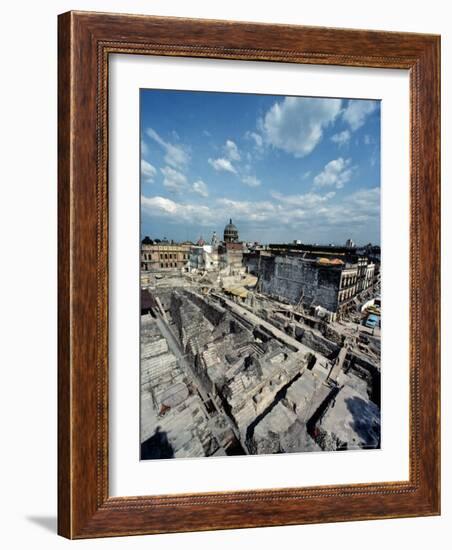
<point x="282" y="168"/>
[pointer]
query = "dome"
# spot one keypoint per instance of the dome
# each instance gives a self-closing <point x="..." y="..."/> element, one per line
<point x="231" y="233"/>
<point x="201" y="241"/>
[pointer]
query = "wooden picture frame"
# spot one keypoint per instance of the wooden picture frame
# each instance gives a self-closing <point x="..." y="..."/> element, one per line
<point x="85" y="42"/>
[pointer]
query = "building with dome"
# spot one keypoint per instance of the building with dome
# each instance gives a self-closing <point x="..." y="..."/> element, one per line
<point x="230" y="251"/>
<point x="231" y="233"/>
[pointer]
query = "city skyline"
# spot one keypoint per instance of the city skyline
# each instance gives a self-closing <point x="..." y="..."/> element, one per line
<point x="219" y="238"/>
<point x="283" y="168"/>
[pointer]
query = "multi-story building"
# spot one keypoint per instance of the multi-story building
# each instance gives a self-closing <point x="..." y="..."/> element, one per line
<point x="311" y="276"/>
<point x="230" y="251"/>
<point x="231" y="233"/>
<point x="203" y="256"/>
<point x="164" y="255"/>
<point x="348" y="283"/>
<point x="370" y="275"/>
<point x="230" y="254"/>
<point x="362" y="263"/>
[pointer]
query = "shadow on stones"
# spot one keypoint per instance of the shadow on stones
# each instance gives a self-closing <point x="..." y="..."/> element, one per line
<point x="366" y="421"/>
<point x="157" y="446"/>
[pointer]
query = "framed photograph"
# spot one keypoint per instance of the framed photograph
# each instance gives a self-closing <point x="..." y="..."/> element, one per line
<point x="249" y="260"/>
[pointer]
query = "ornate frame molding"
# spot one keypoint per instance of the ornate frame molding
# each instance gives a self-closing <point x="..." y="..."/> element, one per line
<point x="85" y="42"/>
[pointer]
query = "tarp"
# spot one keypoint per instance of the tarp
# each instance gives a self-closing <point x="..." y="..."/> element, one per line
<point x="249" y="280"/>
<point x="330" y="261"/>
<point x="237" y="291"/>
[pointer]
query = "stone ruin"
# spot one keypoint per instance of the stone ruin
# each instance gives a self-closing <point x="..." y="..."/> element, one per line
<point x="220" y="378"/>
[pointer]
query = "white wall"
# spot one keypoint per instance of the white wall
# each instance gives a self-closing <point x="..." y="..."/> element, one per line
<point x="28" y="269"/>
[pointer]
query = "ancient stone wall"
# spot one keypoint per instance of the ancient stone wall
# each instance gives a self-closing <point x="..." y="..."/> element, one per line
<point x="332" y="334"/>
<point x="175" y="310"/>
<point x="317" y="342"/>
<point x="213" y="312"/>
<point x="295" y="279"/>
<point x="251" y="262"/>
<point x="368" y="371"/>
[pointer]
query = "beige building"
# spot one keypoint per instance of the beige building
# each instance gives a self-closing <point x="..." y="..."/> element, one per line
<point x="230" y="254"/>
<point x="348" y="286"/>
<point x="164" y="256"/>
<point x="355" y="278"/>
<point x="370" y="275"/>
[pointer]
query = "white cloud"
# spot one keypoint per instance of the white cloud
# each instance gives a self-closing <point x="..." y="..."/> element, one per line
<point x="342" y="138"/>
<point x="173" y="180"/>
<point x="251" y="181"/>
<point x="249" y="211"/>
<point x="231" y="151"/>
<point x="222" y="164"/>
<point x="368" y="200"/>
<point x="373" y="159"/>
<point x="202" y="215"/>
<point x="225" y="163"/>
<point x="161" y="204"/>
<point x="148" y="172"/>
<point x="357" y="111"/>
<point x="307" y="200"/>
<point x="336" y="173"/>
<point x="257" y="138"/>
<point x="296" y="125"/>
<point x="200" y="188"/>
<point x="369" y="140"/>
<point x="175" y="155"/>
<point x="359" y="211"/>
<point x="178" y="212"/>
<point x="144" y="148"/>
